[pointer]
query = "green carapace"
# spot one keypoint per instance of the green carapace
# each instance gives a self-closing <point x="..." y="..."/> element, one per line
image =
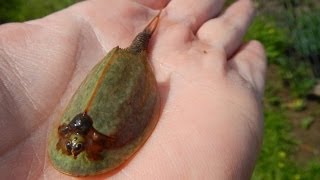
<point x="112" y="113"/>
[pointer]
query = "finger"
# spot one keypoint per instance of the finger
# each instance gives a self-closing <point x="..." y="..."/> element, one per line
<point x="250" y="63"/>
<point x="228" y="30"/>
<point x="153" y="4"/>
<point x="195" y="13"/>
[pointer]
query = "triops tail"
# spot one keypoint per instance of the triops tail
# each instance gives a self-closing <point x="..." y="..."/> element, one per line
<point x="141" y="41"/>
<point x="151" y="27"/>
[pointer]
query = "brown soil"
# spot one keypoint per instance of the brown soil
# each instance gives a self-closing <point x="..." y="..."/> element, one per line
<point x="308" y="139"/>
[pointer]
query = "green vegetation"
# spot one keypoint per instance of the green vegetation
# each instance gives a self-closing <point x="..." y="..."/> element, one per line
<point x="289" y="81"/>
<point x="306" y="122"/>
<point x="274" y="161"/>
<point x="22" y="10"/>
<point x="304" y="35"/>
<point x="292" y="41"/>
<point x="305" y="43"/>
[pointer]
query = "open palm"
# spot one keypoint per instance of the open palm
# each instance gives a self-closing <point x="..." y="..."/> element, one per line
<point x="210" y="84"/>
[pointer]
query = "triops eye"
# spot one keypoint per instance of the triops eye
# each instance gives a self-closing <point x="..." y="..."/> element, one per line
<point x="78" y="147"/>
<point x="69" y="146"/>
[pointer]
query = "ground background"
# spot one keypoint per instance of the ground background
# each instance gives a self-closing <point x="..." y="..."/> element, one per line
<point x="290" y="31"/>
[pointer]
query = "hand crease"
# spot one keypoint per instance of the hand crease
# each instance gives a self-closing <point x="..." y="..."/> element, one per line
<point x="23" y="85"/>
<point x="16" y="73"/>
<point x="85" y="22"/>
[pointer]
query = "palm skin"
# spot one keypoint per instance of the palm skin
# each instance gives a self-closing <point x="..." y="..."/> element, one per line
<point x="210" y="85"/>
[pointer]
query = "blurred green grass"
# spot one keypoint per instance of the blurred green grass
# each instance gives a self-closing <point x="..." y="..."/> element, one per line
<point x="22" y="10"/>
<point x="289" y="41"/>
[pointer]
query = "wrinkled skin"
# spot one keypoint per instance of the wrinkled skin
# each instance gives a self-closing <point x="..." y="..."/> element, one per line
<point x="211" y="85"/>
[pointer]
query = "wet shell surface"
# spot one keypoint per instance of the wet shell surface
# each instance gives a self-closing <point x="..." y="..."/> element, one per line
<point x="112" y="113"/>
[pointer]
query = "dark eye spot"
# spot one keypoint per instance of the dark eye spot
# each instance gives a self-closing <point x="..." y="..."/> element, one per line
<point x="78" y="147"/>
<point x="69" y="146"/>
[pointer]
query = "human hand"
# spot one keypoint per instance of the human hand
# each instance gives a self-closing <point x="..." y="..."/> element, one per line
<point x="211" y="85"/>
